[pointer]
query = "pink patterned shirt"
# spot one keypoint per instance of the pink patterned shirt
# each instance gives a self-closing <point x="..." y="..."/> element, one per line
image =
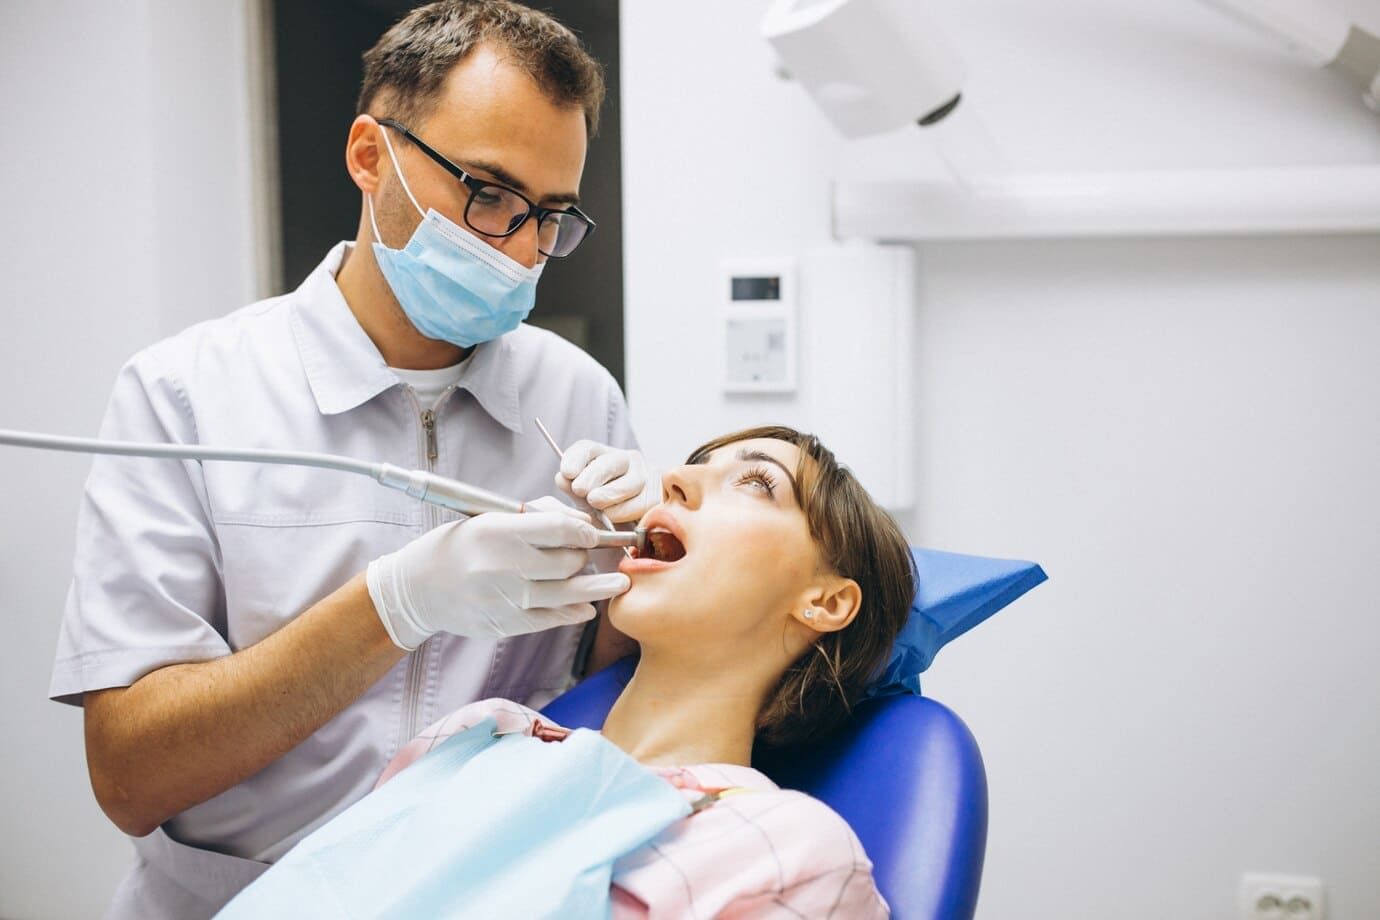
<point x="759" y="851"/>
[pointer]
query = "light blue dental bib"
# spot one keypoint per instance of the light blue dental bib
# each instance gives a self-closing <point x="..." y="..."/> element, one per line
<point x="480" y="827"/>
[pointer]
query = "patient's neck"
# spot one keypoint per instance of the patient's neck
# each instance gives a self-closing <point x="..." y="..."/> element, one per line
<point x="672" y="715"/>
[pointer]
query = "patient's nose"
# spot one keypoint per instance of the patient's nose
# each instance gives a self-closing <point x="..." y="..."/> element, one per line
<point x="680" y="484"/>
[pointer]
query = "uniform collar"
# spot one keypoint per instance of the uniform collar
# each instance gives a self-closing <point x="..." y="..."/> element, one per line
<point x="344" y="367"/>
<point x="491" y="378"/>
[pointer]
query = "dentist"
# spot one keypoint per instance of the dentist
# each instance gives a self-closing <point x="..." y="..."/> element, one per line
<point x="251" y="645"/>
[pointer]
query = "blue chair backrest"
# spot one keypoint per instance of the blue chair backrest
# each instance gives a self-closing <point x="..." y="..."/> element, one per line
<point x="905" y="774"/>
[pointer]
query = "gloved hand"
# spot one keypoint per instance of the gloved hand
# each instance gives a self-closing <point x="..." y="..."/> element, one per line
<point x="620" y="483"/>
<point x="491" y="576"/>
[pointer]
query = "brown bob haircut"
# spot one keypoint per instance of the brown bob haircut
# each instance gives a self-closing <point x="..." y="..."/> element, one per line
<point x="856" y="540"/>
<point x="410" y="62"/>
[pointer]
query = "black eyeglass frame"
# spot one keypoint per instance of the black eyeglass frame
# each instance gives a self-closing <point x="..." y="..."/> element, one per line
<point x="476" y="185"/>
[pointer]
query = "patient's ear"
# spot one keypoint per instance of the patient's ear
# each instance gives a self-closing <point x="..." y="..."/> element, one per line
<point x="830" y="606"/>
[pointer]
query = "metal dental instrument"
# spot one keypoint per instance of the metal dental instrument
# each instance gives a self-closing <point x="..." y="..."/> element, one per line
<point x="640" y="533"/>
<point x="428" y="487"/>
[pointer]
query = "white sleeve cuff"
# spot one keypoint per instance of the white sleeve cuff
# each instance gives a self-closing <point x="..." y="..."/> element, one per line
<point x="384" y="590"/>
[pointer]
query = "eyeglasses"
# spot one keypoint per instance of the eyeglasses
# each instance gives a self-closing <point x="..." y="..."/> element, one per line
<point x="496" y="210"/>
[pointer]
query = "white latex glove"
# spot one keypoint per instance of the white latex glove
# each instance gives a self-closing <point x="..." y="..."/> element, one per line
<point x="620" y="483"/>
<point x="491" y="576"/>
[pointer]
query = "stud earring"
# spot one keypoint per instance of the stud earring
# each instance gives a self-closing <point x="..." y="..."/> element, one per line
<point x="809" y="613"/>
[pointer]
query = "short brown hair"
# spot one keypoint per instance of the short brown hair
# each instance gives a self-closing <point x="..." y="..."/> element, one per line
<point x="856" y="540"/>
<point x="412" y="59"/>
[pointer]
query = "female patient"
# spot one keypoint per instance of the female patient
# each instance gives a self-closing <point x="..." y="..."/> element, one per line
<point x="771" y="591"/>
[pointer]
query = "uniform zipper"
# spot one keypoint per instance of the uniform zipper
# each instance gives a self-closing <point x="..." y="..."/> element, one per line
<point x="417" y="660"/>
<point x="429" y="432"/>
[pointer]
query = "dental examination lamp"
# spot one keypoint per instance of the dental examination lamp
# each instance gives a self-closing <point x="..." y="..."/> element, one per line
<point x="428" y="487"/>
<point x="1322" y="37"/>
<point x="871" y="65"/>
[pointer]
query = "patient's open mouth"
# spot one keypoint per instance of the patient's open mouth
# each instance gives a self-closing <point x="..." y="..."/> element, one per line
<point x="663" y="546"/>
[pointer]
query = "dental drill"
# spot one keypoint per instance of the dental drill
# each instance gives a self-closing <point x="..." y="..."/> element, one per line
<point x="428" y="487"/>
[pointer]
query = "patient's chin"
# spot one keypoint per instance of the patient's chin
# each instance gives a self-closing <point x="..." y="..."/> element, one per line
<point x="640" y="612"/>
<point x="624" y="610"/>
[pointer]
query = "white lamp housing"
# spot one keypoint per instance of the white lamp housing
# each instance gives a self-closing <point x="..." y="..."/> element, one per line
<point x="1323" y="38"/>
<point x="871" y="65"/>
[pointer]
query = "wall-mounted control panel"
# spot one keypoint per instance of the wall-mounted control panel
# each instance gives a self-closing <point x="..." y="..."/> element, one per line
<point x="758" y="322"/>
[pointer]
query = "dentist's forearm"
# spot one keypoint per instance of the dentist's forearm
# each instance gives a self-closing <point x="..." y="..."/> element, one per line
<point x="185" y="733"/>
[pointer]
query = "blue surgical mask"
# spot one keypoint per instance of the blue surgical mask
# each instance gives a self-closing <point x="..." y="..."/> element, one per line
<point x="452" y="285"/>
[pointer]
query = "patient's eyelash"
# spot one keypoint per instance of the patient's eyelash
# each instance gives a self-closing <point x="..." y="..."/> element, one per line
<point x="759" y="474"/>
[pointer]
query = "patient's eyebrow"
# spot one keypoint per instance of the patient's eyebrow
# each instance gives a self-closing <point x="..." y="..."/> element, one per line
<point x="764" y="457"/>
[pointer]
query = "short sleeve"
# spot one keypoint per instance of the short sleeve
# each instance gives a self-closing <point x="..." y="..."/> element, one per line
<point x="823" y="869"/>
<point x="846" y="891"/>
<point x="146" y="589"/>
<point x="755" y="853"/>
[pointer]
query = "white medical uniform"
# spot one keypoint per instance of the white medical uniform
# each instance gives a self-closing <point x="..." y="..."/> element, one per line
<point x="184" y="561"/>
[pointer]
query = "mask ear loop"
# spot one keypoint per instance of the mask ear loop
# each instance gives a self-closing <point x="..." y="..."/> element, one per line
<point x="369" y="199"/>
<point x="401" y="178"/>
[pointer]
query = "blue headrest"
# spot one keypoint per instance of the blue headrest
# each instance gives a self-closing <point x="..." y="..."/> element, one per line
<point x="954" y="593"/>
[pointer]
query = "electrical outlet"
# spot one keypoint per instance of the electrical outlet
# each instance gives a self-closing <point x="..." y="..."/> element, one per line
<point x="1280" y="897"/>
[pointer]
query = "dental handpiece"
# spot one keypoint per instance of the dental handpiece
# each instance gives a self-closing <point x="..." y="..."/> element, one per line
<point x="420" y="484"/>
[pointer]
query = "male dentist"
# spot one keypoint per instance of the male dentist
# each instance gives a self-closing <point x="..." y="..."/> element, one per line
<point x="253" y="643"/>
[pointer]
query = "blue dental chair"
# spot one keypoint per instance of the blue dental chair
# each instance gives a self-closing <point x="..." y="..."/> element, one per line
<point x="905" y="774"/>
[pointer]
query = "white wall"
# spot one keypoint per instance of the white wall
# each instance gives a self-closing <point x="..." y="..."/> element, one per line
<point x="1183" y="431"/>
<point x="1186" y="436"/>
<point x="126" y="217"/>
